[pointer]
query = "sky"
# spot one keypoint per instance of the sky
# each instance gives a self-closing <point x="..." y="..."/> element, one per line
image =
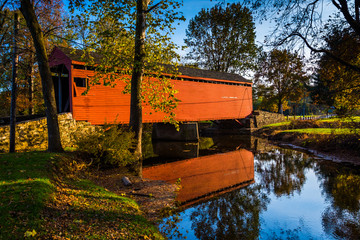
<point x="191" y="7"/>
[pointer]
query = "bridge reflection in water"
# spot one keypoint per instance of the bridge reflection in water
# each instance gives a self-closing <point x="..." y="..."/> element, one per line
<point x="206" y="176"/>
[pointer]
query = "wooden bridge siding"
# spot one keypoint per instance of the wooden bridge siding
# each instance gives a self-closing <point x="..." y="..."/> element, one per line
<point x="210" y="101"/>
<point x="107" y="105"/>
<point x="199" y="101"/>
<point x="208" y="174"/>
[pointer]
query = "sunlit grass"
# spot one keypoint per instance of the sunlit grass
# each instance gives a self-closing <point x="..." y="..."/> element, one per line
<point x="355" y="119"/>
<point x="336" y="119"/>
<point x="321" y="131"/>
<point x="280" y="124"/>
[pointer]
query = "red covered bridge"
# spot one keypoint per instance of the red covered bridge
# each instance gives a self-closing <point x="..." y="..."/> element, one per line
<point x="204" y="95"/>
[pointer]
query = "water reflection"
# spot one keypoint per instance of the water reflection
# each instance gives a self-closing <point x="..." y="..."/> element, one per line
<point x="282" y="171"/>
<point x="235" y="215"/>
<point x="204" y="176"/>
<point x="177" y="150"/>
<point x="341" y="187"/>
<point x="269" y="193"/>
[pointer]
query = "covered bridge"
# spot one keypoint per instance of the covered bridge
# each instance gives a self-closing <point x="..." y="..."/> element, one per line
<point x="203" y="95"/>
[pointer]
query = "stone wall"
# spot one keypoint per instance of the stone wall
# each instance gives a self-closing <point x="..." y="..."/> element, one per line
<point x="262" y="118"/>
<point x="32" y="134"/>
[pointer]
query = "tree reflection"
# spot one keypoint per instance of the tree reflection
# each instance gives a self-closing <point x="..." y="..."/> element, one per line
<point x="341" y="188"/>
<point x="282" y="171"/>
<point x="236" y="215"/>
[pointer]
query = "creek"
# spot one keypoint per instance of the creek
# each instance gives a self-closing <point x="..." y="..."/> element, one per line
<point x="236" y="187"/>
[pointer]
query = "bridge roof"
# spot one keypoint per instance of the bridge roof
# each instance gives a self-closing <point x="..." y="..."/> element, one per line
<point x="76" y="55"/>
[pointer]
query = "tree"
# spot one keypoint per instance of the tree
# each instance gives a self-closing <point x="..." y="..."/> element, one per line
<point x="281" y="76"/>
<point x="15" y="61"/>
<point x="222" y="39"/>
<point x="342" y="83"/>
<point x="302" y="22"/>
<point x="133" y="40"/>
<point x="30" y="100"/>
<point x="54" y="142"/>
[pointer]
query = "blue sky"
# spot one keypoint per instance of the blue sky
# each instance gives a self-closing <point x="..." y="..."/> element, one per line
<point x="191" y="7"/>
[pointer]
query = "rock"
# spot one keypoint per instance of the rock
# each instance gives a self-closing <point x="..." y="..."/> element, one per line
<point x="126" y="181"/>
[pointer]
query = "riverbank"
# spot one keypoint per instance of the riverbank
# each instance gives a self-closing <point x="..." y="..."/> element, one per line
<point x="332" y="139"/>
<point x="50" y="196"/>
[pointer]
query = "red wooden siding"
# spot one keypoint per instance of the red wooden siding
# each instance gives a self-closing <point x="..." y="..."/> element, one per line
<point x="211" y="99"/>
<point x="199" y="101"/>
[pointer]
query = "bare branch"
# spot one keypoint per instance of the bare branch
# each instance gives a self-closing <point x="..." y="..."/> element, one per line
<point x="357" y="6"/>
<point x="153" y="7"/>
<point x="345" y="11"/>
<point x="336" y="58"/>
<point x="3" y="4"/>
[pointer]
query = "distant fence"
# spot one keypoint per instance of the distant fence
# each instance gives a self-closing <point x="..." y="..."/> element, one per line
<point x="311" y="117"/>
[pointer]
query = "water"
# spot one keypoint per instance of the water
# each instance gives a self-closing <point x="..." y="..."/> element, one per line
<point x="261" y="192"/>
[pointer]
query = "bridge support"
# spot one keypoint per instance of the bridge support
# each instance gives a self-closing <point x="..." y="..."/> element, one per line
<point x="187" y="132"/>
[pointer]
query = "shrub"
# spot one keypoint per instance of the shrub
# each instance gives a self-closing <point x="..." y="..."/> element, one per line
<point x="111" y="145"/>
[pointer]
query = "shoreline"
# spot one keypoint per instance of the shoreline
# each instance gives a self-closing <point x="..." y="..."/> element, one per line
<point x="153" y="196"/>
<point x="310" y="144"/>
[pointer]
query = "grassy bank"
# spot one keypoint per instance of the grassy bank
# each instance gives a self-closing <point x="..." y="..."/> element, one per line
<point x="41" y="198"/>
<point x="328" y="135"/>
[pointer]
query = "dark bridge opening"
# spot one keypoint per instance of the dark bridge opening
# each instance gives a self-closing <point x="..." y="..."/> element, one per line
<point x="60" y="77"/>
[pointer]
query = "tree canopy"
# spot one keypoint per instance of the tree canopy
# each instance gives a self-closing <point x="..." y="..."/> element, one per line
<point x="222" y="39"/>
<point x="342" y="83"/>
<point x="280" y="77"/>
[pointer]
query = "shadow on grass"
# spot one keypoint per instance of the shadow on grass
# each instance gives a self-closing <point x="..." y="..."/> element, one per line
<point x="75" y="209"/>
<point x="92" y="211"/>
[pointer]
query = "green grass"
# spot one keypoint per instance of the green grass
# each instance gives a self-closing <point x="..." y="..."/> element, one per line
<point x="25" y="188"/>
<point x="280" y="124"/>
<point x="327" y="120"/>
<point x="352" y="119"/>
<point x="324" y="131"/>
<point x="32" y="206"/>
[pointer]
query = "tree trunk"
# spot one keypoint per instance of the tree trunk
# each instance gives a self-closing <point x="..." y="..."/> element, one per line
<point x="280" y="106"/>
<point x="54" y="143"/>
<point x="30" y="82"/>
<point x="137" y="76"/>
<point x="15" y="61"/>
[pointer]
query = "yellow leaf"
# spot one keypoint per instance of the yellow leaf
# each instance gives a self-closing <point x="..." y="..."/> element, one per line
<point x="30" y="234"/>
